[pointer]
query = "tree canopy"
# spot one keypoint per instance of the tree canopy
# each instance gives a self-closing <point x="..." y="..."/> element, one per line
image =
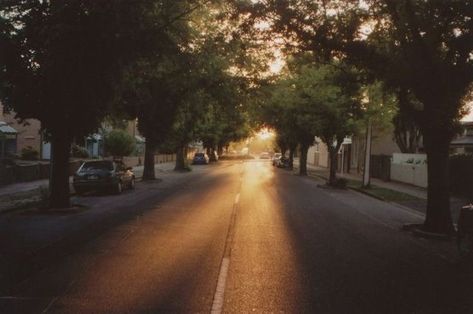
<point x="424" y="47"/>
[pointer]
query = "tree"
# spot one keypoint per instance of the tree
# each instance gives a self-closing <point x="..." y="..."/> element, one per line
<point x="156" y="81"/>
<point x="424" y="46"/>
<point x="63" y="63"/>
<point x="332" y="94"/>
<point x="151" y="96"/>
<point x="273" y="106"/>
<point x="407" y="133"/>
<point x="212" y="102"/>
<point x="119" y="143"/>
<point x="290" y="115"/>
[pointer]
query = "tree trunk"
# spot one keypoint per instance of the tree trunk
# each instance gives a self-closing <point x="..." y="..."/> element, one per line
<point x="180" y="159"/>
<point x="59" y="176"/>
<point x="148" y="170"/>
<point x="291" y="157"/>
<point x="332" y="179"/>
<point x="186" y="155"/>
<point x="438" y="216"/>
<point x="220" y="150"/>
<point x="283" y="149"/>
<point x="303" y="160"/>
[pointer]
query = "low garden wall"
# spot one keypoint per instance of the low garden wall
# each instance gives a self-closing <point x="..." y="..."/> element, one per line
<point x="134" y="161"/>
<point x="37" y="171"/>
<point x="410" y="168"/>
<point x="30" y="172"/>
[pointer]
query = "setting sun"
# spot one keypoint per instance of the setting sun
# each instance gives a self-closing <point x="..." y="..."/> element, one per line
<point x="265" y="134"/>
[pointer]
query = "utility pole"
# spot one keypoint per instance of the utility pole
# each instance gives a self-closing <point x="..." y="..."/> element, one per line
<point x="366" y="170"/>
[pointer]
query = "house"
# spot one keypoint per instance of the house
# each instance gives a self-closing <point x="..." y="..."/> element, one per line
<point x="28" y="133"/>
<point x="8" y="140"/>
<point x="463" y="143"/>
<point x="94" y="143"/>
<point x="352" y="152"/>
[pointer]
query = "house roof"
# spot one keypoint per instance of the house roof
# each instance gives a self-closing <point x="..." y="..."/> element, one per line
<point x="462" y="141"/>
<point x="6" y="129"/>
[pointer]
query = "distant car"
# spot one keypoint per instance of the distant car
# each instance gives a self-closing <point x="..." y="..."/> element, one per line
<point x="200" y="159"/>
<point x="213" y="156"/>
<point x="275" y="158"/>
<point x="264" y="155"/>
<point x="103" y="175"/>
<point x="282" y="162"/>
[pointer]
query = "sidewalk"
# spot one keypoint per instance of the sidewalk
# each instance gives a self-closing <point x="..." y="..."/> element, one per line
<point x="418" y="195"/>
<point x="412" y="190"/>
<point x="34" y="185"/>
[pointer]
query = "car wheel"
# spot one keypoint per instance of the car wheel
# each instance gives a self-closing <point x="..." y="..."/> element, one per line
<point x="118" y="187"/>
<point x="132" y="183"/>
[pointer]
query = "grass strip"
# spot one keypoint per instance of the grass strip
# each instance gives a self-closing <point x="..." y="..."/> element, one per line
<point x="375" y="191"/>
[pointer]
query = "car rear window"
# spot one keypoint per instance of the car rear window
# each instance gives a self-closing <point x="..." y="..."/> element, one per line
<point x="97" y="165"/>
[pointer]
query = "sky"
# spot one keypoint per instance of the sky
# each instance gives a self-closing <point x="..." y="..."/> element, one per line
<point x="469" y="117"/>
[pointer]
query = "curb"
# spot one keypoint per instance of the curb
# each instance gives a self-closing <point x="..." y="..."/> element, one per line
<point x="362" y="191"/>
<point x="413" y="228"/>
<point x="416" y="230"/>
<point x="351" y="188"/>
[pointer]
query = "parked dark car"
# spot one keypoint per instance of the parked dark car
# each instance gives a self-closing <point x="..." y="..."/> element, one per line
<point x="200" y="159"/>
<point x="275" y="158"/>
<point x="282" y="162"/>
<point x="103" y="175"/>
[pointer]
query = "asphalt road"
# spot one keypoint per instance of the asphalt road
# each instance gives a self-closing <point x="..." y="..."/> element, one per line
<point x="246" y="238"/>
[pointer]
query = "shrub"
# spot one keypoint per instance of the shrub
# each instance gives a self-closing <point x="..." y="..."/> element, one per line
<point x="29" y="153"/>
<point x="79" y="152"/>
<point x="119" y="143"/>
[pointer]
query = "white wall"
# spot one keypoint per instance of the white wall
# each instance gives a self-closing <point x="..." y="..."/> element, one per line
<point x="311" y="155"/>
<point x="46" y="150"/>
<point x="414" y="173"/>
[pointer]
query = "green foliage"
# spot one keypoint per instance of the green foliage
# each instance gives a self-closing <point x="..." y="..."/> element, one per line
<point x="332" y="92"/>
<point x="211" y="108"/>
<point x="47" y="69"/>
<point x="119" y="143"/>
<point x="314" y="100"/>
<point x="29" y="153"/>
<point x="423" y="47"/>
<point x="79" y="152"/>
<point x="63" y="63"/>
<point x="407" y="133"/>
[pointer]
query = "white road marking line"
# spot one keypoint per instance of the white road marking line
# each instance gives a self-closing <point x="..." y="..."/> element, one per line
<point x="20" y="298"/>
<point x="217" y="305"/>
<point x="237" y="198"/>
<point x="50" y="305"/>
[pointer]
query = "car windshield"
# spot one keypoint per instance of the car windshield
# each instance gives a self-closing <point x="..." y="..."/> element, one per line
<point x="97" y="165"/>
<point x="199" y="155"/>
